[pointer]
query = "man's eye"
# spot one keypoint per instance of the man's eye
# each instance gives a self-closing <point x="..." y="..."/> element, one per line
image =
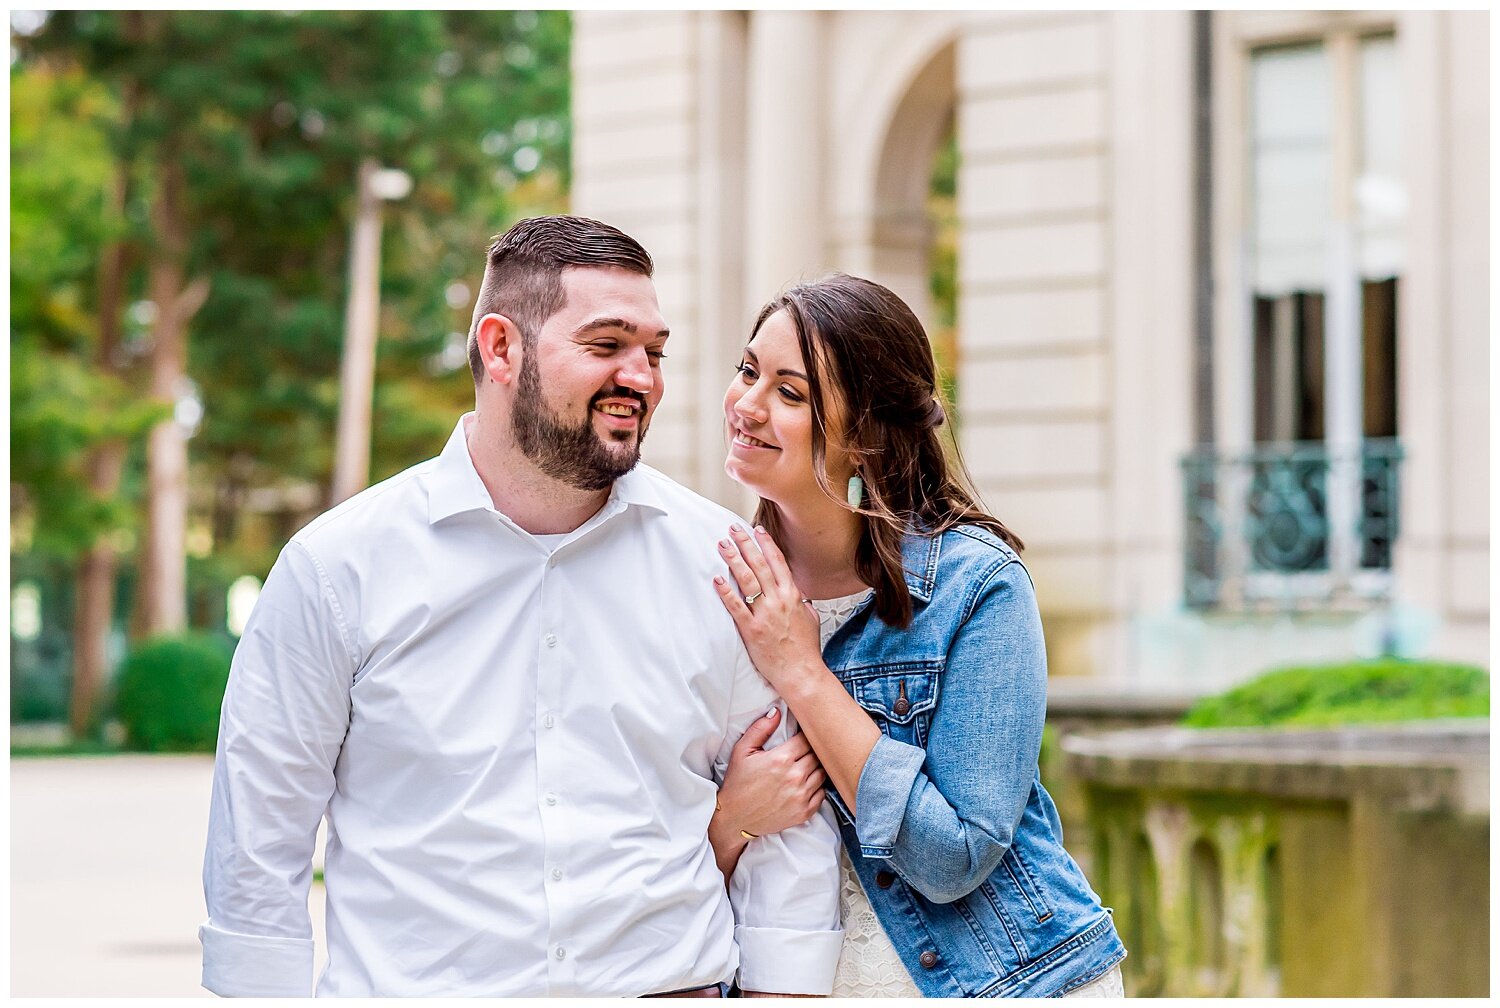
<point x="656" y="355"/>
<point x="606" y="346"/>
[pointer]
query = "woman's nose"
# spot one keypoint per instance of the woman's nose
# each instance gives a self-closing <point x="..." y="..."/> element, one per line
<point x="752" y="407"/>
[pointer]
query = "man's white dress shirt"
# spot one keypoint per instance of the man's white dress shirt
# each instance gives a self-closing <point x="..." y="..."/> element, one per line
<point x="516" y="743"/>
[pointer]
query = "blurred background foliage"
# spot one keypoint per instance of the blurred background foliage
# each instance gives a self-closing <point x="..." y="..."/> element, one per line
<point x="219" y="150"/>
<point x="1357" y="692"/>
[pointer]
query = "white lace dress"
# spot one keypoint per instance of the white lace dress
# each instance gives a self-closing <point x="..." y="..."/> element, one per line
<point x="868" y="963"/>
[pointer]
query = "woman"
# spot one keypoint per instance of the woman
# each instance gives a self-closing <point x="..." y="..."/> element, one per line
<point x="897" y="621"/>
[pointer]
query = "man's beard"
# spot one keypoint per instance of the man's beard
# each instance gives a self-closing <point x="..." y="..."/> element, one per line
<point x="573" y="454"/>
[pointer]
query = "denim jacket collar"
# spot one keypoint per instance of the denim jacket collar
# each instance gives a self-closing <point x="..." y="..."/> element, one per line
<point x="919" y="556"/>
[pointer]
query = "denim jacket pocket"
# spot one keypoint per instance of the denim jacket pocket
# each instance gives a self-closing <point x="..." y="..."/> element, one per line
<point x="901" y="700"/>
<point x="1026" y="885"/>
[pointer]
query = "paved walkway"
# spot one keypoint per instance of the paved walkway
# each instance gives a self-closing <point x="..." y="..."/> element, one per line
<point x="106" y="890"/>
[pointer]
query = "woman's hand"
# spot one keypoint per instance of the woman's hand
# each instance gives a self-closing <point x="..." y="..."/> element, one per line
<point x="780" y="630"/>
<point x="779" y="626"/>
<point x="769" y="790"/>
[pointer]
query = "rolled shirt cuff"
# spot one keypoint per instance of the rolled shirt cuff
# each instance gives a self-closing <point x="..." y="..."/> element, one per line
<point x="780" y="961"/>
<point x="885" y="787"/>
<point x="241" y="965"/>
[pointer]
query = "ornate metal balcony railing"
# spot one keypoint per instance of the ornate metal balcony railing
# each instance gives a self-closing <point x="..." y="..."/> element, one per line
<point x="1290" y="524"/>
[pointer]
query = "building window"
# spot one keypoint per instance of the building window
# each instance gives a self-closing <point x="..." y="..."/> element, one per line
<point x="1306" y="509"/>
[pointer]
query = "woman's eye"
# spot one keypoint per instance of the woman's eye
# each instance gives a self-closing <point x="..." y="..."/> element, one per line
<point x="789" y="395"/>
<point x="746" y="371"/>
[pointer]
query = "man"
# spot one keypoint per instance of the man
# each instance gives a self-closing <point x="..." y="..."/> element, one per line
<point x="506" y="678"/>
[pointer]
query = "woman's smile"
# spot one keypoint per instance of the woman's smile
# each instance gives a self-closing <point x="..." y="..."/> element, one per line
<point x="746" y="440"/>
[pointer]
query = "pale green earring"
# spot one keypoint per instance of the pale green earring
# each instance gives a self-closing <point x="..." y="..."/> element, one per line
<point x="856" y="492"/>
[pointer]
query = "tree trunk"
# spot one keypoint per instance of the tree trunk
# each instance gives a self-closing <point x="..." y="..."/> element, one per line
<point x="163" y="597"/>
<point x="94" y="598"/>
<point x="94" y="604"/>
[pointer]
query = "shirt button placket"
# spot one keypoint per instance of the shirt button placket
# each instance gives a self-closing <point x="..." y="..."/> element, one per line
<point x="552" y="778"/>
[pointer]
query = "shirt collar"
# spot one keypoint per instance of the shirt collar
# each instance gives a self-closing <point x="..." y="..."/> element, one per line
<point x="454" y="486"/>
<point x="641" y="487"/>
<point x="919" y="557"/>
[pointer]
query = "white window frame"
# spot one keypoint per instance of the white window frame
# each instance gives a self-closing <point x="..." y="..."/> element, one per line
<point x="1236" y="36"/>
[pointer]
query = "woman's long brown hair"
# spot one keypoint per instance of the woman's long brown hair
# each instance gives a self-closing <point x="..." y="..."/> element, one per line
<point x="862" y="344"/>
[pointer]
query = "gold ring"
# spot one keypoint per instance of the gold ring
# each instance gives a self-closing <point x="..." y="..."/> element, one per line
<point x="749" y="836"/>
<point x="750" y="599"/>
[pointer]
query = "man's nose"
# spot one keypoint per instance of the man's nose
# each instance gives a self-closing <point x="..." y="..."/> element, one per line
<point x="635" y="372"/>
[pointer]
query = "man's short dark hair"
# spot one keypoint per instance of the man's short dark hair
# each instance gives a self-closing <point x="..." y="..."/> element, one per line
<point x="523" y="274"/>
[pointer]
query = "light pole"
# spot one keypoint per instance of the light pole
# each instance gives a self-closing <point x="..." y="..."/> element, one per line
<point x="351" y="460"/>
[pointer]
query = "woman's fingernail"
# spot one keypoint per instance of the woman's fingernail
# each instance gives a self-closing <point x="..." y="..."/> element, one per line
<point x="771" y="713"/>
<point x="723" y="544"/>
<point x="761" y="529"/>
<point x="718" y="580"/>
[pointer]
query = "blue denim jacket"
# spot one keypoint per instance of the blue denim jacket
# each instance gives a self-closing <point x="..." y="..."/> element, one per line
<point x="957" y="844"/>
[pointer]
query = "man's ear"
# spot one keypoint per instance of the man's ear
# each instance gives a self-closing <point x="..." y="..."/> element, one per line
<point x="499" y="342"/>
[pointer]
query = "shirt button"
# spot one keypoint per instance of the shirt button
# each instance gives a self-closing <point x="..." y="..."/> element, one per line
<point x="551" y="799"/>
<point x="562" y="953"/>
<point x="547" y="721"/>
<point x="927" y="959"/>
<point x="884" y="879"/>
<point x="557" y="874"/>
<point x="551" y="640"/>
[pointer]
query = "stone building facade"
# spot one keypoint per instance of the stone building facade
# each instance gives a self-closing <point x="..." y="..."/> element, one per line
<point x="1222" y="321"/>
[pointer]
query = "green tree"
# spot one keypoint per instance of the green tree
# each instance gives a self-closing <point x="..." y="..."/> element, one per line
<point x="73" y="412"/>
<point x="60" y="405"/>
<point x="231" y="156"/>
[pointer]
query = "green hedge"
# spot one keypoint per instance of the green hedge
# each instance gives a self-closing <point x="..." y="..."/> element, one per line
<point x="1363" y="692"/>
<point x="170" y="690"/>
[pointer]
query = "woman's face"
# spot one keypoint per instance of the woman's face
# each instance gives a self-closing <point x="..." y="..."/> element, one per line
<point x="769" y="421"/>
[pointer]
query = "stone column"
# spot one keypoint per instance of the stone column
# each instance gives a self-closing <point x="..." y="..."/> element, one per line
<point x="722" y="301"/>
<point x="784" y="168"/>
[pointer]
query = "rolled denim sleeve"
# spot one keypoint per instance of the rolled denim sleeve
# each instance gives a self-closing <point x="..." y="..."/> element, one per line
<point x="285" y="713"/>
<point x="785" y="889"/>
<point x="943" y="817"/>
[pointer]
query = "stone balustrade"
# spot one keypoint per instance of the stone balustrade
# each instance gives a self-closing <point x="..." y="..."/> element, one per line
<point x="1264" y="862"/>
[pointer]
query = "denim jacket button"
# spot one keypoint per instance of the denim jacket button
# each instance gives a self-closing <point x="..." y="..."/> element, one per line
<point x="884" y="879"/>
<point x="928" y="960"/>
<point x="901" y="707"/>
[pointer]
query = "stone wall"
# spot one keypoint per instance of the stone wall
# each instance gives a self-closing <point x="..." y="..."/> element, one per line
<point x="1082" y="707"/>
<point x="1264" y="862"/>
